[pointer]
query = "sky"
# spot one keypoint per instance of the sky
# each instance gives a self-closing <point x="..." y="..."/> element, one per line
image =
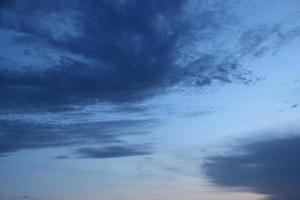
<point x="149" y="100"/>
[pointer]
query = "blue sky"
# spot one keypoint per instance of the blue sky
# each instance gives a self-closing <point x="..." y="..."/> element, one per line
<point x="151" y="100"/>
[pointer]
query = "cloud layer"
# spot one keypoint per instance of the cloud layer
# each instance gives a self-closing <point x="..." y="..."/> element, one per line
<point x="269" y="167"/>
<point x="61" y="53"/>
<point x="58" y="55"/>
<point x="16" y="135"/>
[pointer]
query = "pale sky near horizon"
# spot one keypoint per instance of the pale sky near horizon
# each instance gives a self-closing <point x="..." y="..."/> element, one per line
<point x="149" y="100"/>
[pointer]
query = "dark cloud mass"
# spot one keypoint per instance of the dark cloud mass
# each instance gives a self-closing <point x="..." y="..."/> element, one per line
<point x="269" y="167"/>
<point x="129" y="46"/>
<point x="116" y="51"/>
<point x="56" y="55"/>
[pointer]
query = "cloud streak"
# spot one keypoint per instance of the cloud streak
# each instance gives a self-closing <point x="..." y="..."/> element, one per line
<point x="113" y="151"/>
<point x="18" y="135"/>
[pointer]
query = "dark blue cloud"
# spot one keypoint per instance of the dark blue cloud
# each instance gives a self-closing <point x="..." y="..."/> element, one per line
<point x="130" y="47"/>
<point x="269" y="167"/>
<point x="114" y="151"/>
<point x="116" y="51"/>
<point x="18" y="135"/>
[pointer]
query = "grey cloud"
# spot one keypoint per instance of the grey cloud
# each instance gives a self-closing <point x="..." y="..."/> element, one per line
<point x="6" y="197"/>
<point x="294" y="106"/>
<point x="269" y="167"/>
<point x="62" y="157"/>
